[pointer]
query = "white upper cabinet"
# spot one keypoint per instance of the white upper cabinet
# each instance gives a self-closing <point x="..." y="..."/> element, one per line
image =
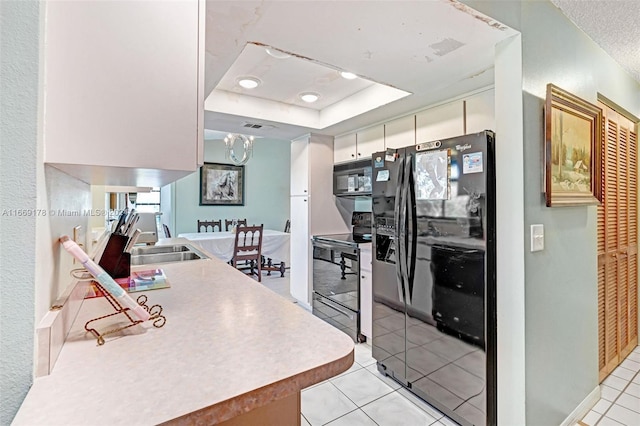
<point x="358" y="146"/>
<point x="299" y="167"/>
<point x="400" y="132"/>
<point x="123" y="90"/>
<point x="369" y="141"/>
<point x="344" y="148"/>
<point x="441" y="122"/>
<point x="480" y="112"/>
<point x="472" y="114"/>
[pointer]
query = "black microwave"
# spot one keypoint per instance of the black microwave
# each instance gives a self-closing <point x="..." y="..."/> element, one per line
<point x="352" y="179"/>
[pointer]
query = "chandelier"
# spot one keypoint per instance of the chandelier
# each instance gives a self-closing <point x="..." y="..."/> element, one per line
<point x="238" y="148"/>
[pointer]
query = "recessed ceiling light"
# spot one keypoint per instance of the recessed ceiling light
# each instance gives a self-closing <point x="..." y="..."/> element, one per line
<point x="248" y="82"/>
<point x="348" y="75"/>
<point x="309" y="97"/>
<point x="278" y="54"/>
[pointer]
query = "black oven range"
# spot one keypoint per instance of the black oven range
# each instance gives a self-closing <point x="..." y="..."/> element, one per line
<point x="336" y="276"/>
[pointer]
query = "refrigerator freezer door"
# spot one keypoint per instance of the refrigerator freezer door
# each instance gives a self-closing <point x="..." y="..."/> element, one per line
<point x="434" y="339"/>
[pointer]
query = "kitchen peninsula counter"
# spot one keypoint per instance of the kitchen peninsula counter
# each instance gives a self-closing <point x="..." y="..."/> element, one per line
<point x="231" y="350"/>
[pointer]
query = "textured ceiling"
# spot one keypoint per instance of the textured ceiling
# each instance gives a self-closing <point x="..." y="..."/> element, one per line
<point x="613" y="24"/>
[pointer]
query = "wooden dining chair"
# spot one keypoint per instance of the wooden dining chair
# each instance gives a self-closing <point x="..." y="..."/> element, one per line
<point x="228" y="222"/>
<point x="268" y="265"/>
<point x="206" y="224"/>
<point x="248" y="248"/>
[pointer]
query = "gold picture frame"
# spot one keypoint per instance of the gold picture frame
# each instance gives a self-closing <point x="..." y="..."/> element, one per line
<point x="572" y="150"/>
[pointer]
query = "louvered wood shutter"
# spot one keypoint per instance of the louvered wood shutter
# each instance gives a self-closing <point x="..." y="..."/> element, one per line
<point x="617" y="242"/>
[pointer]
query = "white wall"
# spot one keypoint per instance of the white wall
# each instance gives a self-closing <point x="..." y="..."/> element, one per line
<point x="510" y="279"/>
<point x="266" y="189"/>
<point x="33" y="269"/>
<point x="167" y="206"/>
<point x="67" y="202"/>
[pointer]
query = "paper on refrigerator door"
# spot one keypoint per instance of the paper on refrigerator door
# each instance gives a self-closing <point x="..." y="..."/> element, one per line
<point x="432" y="175"/>
<point x="472" y="163"/>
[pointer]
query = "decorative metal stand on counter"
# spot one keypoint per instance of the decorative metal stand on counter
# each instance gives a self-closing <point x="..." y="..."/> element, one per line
<point x="155" y="311"/>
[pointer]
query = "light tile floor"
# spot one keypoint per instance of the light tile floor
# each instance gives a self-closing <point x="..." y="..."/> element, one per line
<point x="619" y="403"/>
<point x="363" y="396"/>
<point x="360" y="395"/>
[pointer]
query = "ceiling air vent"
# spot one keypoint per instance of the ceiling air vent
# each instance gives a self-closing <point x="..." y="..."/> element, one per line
<point x="251" y="125"/>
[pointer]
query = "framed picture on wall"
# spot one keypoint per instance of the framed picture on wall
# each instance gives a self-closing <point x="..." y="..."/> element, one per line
<point x="221" y="185"/>
<point x="572" y="150"/>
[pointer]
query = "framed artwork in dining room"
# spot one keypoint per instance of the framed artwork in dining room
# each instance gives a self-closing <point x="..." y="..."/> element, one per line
<point x="572" y="150"/>
<point x="221" y="185"/>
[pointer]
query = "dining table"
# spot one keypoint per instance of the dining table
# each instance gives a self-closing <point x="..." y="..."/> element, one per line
<point x="275" y="246"/>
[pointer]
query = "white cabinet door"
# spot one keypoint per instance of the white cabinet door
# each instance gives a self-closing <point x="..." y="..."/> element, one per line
<point x="369" y="141"/>
<point x="300" y="249"/>
<point x="299" y="167"/>
<point x="444" y="121"/>
<point x="123" y="86"/>
<point x="480" y="112"/>
<point x="344" y="148"/>
<point x="400" y="132"/>
<point x="366" y="294"/>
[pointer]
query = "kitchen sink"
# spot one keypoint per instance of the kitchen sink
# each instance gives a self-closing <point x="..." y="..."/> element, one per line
<point x="165" y="254"/>
<point x="161" y="249"/>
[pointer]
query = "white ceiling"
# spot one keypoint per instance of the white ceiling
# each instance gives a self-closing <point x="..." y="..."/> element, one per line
<point x="434" y="49"/>
<point x="284" y="79"/>
<point x="281" y="82"/>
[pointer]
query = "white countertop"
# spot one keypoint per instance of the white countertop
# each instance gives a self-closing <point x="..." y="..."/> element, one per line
<point x="229" y="345"/>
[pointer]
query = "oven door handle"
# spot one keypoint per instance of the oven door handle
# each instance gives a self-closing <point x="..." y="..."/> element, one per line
<point x="347" y="314"/>
<point x="332" y="246"/>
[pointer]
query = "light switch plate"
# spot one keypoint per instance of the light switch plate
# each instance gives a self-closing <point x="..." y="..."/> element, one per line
<point x="537" y="237"/>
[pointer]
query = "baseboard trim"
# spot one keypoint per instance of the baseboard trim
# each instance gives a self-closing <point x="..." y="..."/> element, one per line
<point x="583" y="408"/>
<point x="52" y="331"/>
<point x="305" y="305"/>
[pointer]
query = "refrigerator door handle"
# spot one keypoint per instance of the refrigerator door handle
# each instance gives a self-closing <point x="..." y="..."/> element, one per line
<point x="412" y="227"/>
<point x="397" y="224"/>
<point x="404" y="229"/>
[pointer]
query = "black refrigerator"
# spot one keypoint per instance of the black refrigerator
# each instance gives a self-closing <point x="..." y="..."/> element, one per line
<point x="434" y="280"/>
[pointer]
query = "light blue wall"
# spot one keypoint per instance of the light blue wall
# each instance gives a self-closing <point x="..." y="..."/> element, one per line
<point x="561" y="335"/>
<point x="267" y="181"/>
<point x="19" y="43"/>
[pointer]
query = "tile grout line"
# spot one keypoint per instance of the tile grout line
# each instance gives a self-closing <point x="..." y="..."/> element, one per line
<point x="637" y="374"/>
<point x="409" y="400"/>
<point x="359" y="407"/>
